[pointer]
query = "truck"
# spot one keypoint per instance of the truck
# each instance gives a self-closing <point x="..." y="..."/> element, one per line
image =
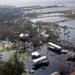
<point x="40" y="61"/>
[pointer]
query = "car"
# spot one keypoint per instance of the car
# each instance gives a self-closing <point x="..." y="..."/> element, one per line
<point x="35" y="55"/>
<point x="72" y="57"/>
<point x="64" y="51"/>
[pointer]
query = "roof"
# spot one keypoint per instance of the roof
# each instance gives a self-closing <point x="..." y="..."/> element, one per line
<point x="54" y="44"/>
<point x="72" y="73"/>
<point x="22" y="35"/>
<point x="39" y="59"/>
<point x="55" y="73"/>
<point x="35" y="53"/>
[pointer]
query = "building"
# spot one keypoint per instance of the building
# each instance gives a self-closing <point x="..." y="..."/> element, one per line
<point x="24" y="37"/>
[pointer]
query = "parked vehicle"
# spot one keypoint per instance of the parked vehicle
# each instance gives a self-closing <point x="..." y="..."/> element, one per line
<point x="64" y="51"/>
<point x="72" y="57"/>
<point x="54" y="46"/>
<point x="35" y="55"/>
<point x="39" y="61"/>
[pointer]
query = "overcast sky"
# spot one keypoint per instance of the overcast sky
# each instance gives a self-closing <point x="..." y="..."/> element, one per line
<point x="20" y="2"/>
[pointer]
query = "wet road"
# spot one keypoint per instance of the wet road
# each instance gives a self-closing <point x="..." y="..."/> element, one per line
<point x="56" y="61"/>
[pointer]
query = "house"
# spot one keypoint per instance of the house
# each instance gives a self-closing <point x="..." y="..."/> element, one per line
<point x="24" y="37"/>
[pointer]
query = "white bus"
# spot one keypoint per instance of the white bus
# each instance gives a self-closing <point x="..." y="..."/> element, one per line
<point x="54" y="46"/>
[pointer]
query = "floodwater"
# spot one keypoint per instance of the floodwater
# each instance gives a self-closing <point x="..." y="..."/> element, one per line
<point x="57" y="17"/>
<point x="53" y="17"/>
<point x="70" y="23"/>
<point x="56" y="61"/>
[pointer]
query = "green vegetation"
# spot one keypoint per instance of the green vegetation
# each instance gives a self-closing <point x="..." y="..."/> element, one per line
<point x="22" y="57"/>
<point x="19" y="57"/>
<point x="7" y="68"/>
<point x="5" y="48"/>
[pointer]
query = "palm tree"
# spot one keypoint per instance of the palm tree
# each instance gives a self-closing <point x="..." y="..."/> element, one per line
<point x="64" y="29"/>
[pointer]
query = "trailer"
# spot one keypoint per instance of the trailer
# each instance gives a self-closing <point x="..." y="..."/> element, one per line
<point x="54" y="46"/>
<point x="40" y="61"/>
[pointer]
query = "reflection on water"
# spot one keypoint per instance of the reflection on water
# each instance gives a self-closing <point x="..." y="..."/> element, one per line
<point x="72" y="31"/>
<point x="70" y="23"/>
<point x="71" y="35"/>
<point x="42" y="65"/>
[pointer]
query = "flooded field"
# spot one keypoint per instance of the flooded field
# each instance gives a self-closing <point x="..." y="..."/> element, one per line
<point x="53" y="17"/>
<point x="62" y="21"/>
<point x="70" y="23"/>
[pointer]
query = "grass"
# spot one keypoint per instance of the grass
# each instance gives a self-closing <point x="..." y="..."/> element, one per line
<point x="20" y="57"/>
<point x="3" y="45"/>
<point x="2" y="51"/>
<point x="11" y="58"/>
<point x="4" y="48"/>
<point x="47" y="27"/>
